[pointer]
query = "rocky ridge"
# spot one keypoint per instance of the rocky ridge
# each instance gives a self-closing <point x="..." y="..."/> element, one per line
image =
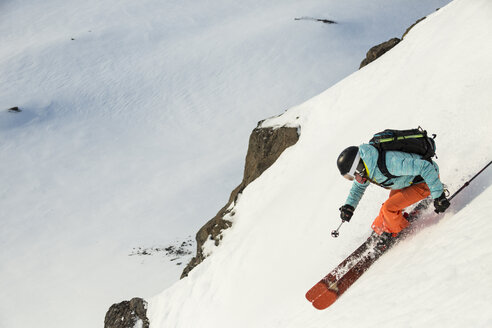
<point x="265" y="146"/>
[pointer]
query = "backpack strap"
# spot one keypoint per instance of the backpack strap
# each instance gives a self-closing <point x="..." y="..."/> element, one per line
<point x="383" y="168"/>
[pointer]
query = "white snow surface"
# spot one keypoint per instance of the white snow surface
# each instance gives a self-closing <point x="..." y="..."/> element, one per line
<point x="439" y="77"/>
<point x="133" y="131"/>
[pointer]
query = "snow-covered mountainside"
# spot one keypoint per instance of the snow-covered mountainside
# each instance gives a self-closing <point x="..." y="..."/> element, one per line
<point x="438" y="77"/>
<point x="134" y="127"/>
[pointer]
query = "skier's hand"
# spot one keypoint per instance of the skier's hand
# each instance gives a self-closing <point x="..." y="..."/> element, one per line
<point x="346" y="212"/>
<point x="441" y="204"/>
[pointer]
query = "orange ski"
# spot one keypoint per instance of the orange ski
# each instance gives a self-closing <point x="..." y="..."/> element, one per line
<point x="335" y="283"/>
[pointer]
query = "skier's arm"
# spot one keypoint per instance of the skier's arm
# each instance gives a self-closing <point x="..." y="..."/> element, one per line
<point x="356" y="193"/>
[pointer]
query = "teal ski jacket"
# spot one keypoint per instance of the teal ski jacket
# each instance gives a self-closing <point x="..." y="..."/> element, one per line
<point x="403" y="165"/>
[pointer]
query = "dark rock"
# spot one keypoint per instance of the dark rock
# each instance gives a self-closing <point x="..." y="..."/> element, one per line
<point x="379" y="50"/>
<point x="326" y="21"/>
<point x="127" y="314"/>
<point x="408" y="29"/>
<point x="265" y="146"/>
<point x="322" y="20"/>
<point x="15" y="109"/>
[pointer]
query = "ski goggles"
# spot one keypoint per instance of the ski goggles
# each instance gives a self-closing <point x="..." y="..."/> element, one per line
<point x="358" y="176"/>
<point x="357" y="171"/>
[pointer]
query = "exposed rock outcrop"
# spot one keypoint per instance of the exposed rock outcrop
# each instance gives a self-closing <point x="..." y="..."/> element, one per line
<point x="265" y="146"/>
<point x="379" y="50"/>
<point x="127" y="314"/>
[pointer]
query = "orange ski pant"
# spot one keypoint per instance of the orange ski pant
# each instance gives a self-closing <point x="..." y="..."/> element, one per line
<point x="390" y="218"/>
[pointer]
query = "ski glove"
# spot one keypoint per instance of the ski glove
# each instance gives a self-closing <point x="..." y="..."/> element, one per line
<point x="441" y="204"/>
<point x="346" y="212"/>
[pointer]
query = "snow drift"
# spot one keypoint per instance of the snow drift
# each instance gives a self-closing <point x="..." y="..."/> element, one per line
<point x="279" y="245"/>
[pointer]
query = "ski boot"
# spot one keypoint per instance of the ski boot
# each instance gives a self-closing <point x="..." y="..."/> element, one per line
<point x="382" y="242"/>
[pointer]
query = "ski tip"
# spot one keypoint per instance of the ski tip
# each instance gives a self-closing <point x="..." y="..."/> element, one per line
<point x="321" y="296"/>
<point x="317" y="290"/>
<point x="325" y="300"/>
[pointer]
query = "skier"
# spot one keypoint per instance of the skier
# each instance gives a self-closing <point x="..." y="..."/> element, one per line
<point x="414" y="179"/>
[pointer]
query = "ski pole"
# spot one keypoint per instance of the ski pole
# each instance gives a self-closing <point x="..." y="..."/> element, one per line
<point x="335" y="233"/>
<point x="468" y="182"/>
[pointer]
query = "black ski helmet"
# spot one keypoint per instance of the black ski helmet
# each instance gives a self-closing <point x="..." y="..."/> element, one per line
<point x="346" y="159"/>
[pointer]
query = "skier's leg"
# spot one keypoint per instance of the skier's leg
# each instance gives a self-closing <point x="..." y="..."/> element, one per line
<point x="390" y="218"/>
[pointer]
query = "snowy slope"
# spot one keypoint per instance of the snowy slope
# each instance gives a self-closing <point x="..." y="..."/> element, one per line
<point x="134" y="128"/>
<point x="280" y="245"/>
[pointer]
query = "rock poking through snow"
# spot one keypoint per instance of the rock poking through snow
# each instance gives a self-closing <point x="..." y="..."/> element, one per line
<point x="265" y="147"/>
<point x="127" y="314"/>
